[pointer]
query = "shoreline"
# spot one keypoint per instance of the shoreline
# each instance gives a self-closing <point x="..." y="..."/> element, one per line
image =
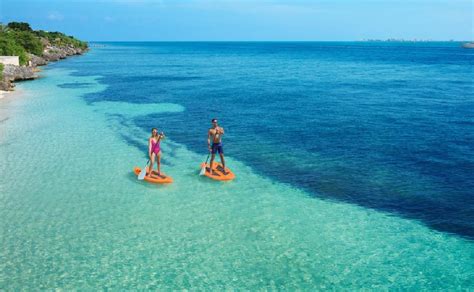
<point x="24" y="50"/>
<point x="10" y="93"/>
<point x="13" y="73"/>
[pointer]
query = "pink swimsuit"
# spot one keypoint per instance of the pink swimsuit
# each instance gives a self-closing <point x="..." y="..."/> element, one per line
<point x="155" y="149"/>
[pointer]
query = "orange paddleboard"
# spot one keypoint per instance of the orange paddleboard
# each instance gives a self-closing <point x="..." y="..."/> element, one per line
<point x="163" y="179"/>
<point x="217" y="172"/>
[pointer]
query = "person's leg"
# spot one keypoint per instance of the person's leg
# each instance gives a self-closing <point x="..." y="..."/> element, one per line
<point x="223" y="163"/>
<point x="211" y="163"/>
<point x="213" y="155"/>
<point x="158" y="160"/>
<point x="152" y="161"/>
<point x="221" y="154"/>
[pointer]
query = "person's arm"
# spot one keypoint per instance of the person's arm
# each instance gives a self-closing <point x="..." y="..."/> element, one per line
<point x="209" y="140"/>
<point x="221" y="130"/>
<point x="149" y="147"/>
<point x="162" y="136"/>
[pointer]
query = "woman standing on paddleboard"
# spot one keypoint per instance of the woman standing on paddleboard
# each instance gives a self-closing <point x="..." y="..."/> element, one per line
<point x="154" y="150"/>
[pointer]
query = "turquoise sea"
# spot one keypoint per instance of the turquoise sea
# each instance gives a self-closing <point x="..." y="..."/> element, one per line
<point x="354" y="165"/>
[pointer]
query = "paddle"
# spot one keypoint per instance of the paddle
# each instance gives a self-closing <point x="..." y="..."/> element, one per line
<point x="203" y="168"/>
<point x="142" y="174"/>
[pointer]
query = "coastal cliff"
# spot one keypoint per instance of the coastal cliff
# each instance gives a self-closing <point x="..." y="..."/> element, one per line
<point x="34" y="49"/>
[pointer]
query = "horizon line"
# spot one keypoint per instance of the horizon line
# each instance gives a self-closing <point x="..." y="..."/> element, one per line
<point x="262" y="41"/>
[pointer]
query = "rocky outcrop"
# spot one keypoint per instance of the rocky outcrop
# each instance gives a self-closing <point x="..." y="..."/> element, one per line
<point x="37" y="61"/>
<point x="51" y="54"/>
<point x="14" y="73"/>
<point x="6" y="84"/>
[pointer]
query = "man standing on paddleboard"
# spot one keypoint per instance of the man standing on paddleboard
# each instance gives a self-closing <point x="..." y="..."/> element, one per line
<point x="215" y="135"/>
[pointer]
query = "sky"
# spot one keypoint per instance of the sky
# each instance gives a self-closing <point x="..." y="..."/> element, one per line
<point x="246" y="20"/>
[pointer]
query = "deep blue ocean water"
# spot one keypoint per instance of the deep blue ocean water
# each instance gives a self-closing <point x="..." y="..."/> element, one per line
<point x="388" y="126"/>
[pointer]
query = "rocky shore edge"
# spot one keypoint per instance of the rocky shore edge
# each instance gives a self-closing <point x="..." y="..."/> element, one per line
<point x="13" y="73"/>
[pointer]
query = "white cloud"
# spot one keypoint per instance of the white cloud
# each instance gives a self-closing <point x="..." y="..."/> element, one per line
<point x="54" y="15"/>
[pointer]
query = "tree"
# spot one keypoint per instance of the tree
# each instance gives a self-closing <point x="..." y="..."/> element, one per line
<point x="21" y="26"/>
<point x="8" y="47"/>
<point x="29" y="41"/>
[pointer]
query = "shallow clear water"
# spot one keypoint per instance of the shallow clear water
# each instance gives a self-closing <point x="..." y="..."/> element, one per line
<point x="74" y="216"/>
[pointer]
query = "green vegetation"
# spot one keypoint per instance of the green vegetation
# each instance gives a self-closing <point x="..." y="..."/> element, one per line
<point x="29" y="41"/>
<point x="10" y="47"/>
<point x="60" y="39"/>
<point x="18" y="39"/>
<point x="1" y="71"/>
<point x="19" y="26"/>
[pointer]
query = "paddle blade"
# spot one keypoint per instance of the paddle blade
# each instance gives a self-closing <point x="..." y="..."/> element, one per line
<point x="203" y="169"/>
<point x="142" y="174"/>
